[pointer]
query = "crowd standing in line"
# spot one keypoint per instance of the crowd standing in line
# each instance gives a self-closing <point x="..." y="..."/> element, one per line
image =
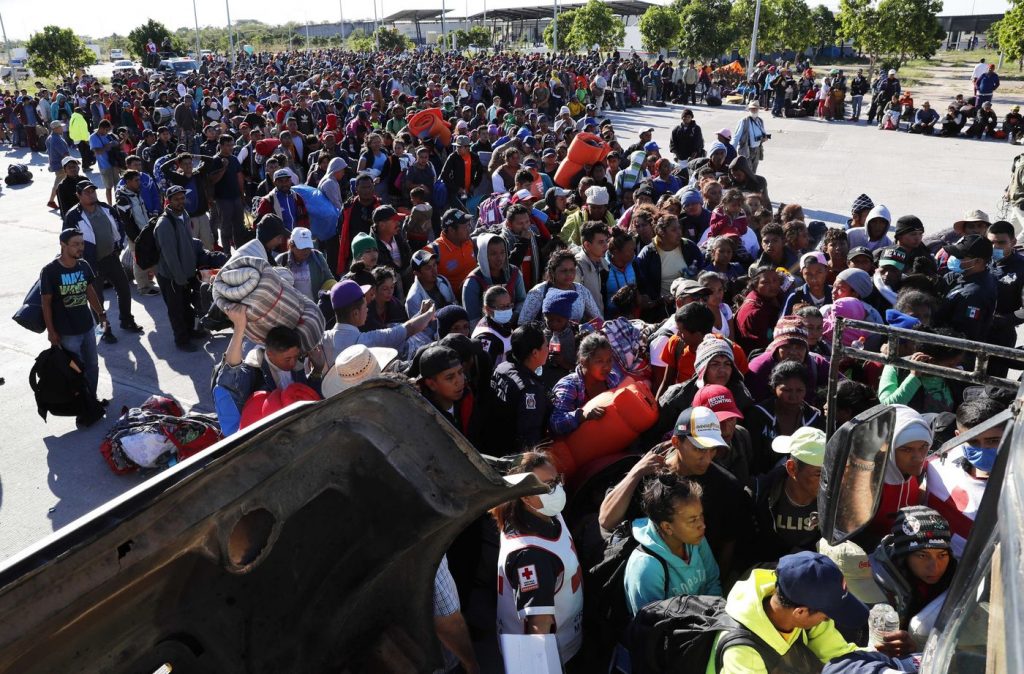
<point x="524" y="293"/>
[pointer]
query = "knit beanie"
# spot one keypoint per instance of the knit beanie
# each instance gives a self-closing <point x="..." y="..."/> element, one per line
<point x="449" y="316"/>
<point x="559" y="302"/>
<point x="270" y="227"/>
<point x="858" y="279"/>
<point x="908" y="224"/>
<point x="788" y="329"/>
<point x="862" y="203"/>
<point x="918" y="528"/>
<point x="363" y="243"/>
<point x="708" y="349"/>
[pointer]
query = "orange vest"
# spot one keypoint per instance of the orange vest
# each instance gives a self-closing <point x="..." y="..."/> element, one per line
<point x="454" y="262"/>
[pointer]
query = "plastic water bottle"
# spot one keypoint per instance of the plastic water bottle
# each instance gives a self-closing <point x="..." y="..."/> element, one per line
<point x="882" y="620"/>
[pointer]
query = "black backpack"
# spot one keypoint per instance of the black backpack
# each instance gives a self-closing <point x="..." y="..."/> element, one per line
<point x="676" y="636"/>
<point x="18" y="174"/>
<point x="147" y="254"/>
<point x="605" y="611"/>
<point x="58" y="381"/>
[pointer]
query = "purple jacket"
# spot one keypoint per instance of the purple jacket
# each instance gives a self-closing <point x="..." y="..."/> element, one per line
<point x="761" y="366"/>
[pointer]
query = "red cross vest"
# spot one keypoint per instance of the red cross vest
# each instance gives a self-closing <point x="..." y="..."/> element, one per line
<point x="568" y="590"/>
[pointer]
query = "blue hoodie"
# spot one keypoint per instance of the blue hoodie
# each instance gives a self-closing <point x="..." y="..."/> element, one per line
<point x="645" y="576"/>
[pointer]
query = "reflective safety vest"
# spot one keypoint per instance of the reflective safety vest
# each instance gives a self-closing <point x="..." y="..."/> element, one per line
<point x="568" y="591"/>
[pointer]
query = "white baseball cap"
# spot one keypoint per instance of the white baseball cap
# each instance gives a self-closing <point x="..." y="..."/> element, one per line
<point x="302" y="238"/>
<point x="355" y="365"/>
<point x="700" y="426"/>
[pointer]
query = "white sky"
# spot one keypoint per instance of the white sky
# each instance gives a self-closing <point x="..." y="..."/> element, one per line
<point x="21" y="18"/>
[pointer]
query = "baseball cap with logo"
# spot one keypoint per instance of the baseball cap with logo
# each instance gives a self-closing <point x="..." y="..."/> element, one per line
<point x="302" y="238"/>
<point x="893" y="257"/>
<point x="813" y="580"/>
<point x="856" y="567"/>
<point x="806" y="445"/>
<point x="700" y="426"/>
<point x="421" y="257"/>
<point x="719" y="400"/>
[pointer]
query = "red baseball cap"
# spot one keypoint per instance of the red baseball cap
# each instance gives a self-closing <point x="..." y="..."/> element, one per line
<point x="719" y="400"/>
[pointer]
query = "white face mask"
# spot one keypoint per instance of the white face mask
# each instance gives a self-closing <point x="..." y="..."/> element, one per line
<point x="502" y="316"/>
<point x="552" y="504"/>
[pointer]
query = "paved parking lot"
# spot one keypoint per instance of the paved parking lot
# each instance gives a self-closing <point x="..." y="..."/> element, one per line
<point x="51" y="473"/>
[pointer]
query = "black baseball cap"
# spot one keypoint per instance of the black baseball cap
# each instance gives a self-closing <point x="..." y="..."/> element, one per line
<point x="971" y="246"/>
<point x="384" y="213"/>
<point x="453" y="217"/>
<point x="860" y="250"/>
<point x="436" y="359"/>
<point x="421" y="257"/>
<point x="83" y="185"/>
<point x="69" y="233"/>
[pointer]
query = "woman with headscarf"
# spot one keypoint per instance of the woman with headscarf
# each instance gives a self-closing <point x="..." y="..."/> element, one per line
<point x="912" y="439"/>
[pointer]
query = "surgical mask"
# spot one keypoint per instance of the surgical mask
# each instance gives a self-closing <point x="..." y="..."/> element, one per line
<point x="502" y="316"/>
<point x="998" y="254"/>
<point x="953" y="264"/>
<point x="552" y="504"/>
<point x="982" y="458"/>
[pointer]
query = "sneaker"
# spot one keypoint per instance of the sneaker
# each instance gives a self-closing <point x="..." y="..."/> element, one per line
<point x="109" y="338"/>
<point x="132" y="327"/>
<point x="52" y="206"/>
<point x="187" y="347"/>
<point x="149" y="291"/>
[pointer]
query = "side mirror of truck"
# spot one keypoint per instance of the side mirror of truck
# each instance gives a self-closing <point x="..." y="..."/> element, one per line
<point x="853" y="472"/>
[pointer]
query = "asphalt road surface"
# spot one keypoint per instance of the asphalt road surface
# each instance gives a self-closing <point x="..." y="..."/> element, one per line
<point x="52" y="474"/>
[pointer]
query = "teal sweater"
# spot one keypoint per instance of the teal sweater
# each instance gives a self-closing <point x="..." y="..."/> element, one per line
<point x="645" y="576"/>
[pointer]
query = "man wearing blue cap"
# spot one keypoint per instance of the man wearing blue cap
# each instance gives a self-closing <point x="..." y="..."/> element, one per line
<point x="794" y="607"/>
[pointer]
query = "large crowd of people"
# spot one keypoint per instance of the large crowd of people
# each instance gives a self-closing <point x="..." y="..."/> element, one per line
<point x="523" y="297"/>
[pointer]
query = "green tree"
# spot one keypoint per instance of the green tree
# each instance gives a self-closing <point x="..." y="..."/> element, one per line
<point x="706" y="29"/>
<point x="564" y="21"/>
<point x="390" y="39"/>
<point x="1009" y="33"/>
<point x="859" y="21"/>
<point x="57" y="52"/>
<point x="791" y="26"/>
<point x="151" y="29"/>
<point x="742" y="19"/>
<point x="595" y="24"/>
<point x="911" y="28"/>
<point x="359" y="41"/>
<point x="823" y="26"/>
<point x="659" y="28"/>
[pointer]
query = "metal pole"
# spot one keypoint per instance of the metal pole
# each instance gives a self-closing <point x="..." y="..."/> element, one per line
<point x="376" y="27"/>
<point x="196" y="17"/>
<point x="10" y="61"/>
<point x="231" y="34"/>
<point x="753" y="37"/>
<point x="554" y="29"/>
<point x="444" y="24"/>
<point x="341" y="10"/>
<point x="307" y="34"/>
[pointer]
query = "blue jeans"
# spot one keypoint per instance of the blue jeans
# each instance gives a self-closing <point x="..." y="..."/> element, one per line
<point x="84" y="346"/>
<point x="857" y="102"/>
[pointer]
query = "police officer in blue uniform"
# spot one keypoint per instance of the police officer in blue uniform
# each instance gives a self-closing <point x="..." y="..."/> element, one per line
<point x="1008" y="270"/>
<point x="969" y="287"/>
